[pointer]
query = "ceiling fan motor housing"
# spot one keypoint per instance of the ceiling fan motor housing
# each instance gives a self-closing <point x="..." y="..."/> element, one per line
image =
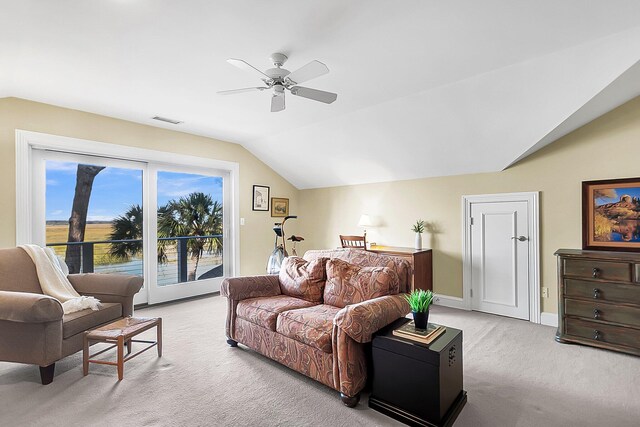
<point x="277" y="74"/>
<point x="278" y="59"/>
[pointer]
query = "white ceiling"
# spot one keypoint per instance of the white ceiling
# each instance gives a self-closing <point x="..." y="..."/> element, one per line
<point x="426" y="88"/>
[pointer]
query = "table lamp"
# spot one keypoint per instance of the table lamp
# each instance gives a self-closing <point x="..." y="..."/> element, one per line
<point x="365" y="221"/>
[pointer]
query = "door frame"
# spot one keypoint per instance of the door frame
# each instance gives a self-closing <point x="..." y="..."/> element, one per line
<point x="27" y="141"/>
<point x="532" y="199"/>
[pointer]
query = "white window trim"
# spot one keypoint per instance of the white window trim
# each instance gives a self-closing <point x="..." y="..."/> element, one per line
<point x="27" y="141"/>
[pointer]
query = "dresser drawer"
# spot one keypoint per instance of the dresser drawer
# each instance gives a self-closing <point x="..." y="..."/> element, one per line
<point x="598" y="332"/>
<point x="614" y="292"/>
<point x="620" y="271"/>
<point x="602" y="311"/>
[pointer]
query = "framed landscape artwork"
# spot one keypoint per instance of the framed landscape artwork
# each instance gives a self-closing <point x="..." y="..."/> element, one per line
<point x="260" y="198"/>
<point x="611" y="214"/>
<point x="279" y="206"/>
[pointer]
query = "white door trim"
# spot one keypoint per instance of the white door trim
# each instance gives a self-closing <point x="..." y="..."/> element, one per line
<point x="26" y="141"/>
<point x="534" y="238"/>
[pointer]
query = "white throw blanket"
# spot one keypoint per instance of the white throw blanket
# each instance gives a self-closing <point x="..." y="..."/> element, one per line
<point x="54" y="282"/>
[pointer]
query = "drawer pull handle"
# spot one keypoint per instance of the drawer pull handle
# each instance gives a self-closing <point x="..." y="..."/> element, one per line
<point x="596" y="271"/>
<point x="596" y="293"/>
<point x="596" y="314"/>
<point x="596" y="335"/>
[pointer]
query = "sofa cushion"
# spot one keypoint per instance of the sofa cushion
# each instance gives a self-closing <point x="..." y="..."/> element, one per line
<point x="303" y="279"/>
<point x="80" y="321"/>
<point x="368" y="259"/>
<point x="351" y="284"/>
<point x="263" y="311"/>
<point x="312" y="326"/>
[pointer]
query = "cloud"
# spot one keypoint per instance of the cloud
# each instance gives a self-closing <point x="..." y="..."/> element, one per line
<point x="68" y="167"/>
<point x="52" y="182"/>
<point x="181" y="185"/>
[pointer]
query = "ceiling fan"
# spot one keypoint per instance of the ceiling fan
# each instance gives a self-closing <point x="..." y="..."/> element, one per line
<point x="278" y="79"/>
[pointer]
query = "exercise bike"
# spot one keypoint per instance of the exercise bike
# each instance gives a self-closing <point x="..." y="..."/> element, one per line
<point x="280" y="250"/>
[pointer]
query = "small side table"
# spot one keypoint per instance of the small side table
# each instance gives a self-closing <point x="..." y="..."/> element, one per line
<point x="119" y="333"/>
<point x="418" y="384"/>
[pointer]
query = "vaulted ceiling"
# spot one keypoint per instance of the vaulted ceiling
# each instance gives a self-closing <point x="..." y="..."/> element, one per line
<point x="425" y="88"/>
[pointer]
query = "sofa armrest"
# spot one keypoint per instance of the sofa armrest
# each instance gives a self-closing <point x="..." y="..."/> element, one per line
<point x="360" y="321"/>
<point x="239" y="288"/>
<point x="25" y="307"/>
<point x="96" y="284"/>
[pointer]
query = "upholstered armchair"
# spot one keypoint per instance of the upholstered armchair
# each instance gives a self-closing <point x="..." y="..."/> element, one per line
<point x="33" y="328"/>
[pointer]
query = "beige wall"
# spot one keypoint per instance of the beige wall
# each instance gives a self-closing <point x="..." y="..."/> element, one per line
<point x="256" y="237"/>
<point x="608" y="147"/>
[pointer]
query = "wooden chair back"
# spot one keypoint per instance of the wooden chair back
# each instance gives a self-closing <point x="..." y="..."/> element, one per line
<point x="353" y="242"/>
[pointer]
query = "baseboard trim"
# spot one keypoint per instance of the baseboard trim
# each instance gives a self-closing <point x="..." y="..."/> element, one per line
<point x="449" y="301"/>
<point x="549" y="319"/>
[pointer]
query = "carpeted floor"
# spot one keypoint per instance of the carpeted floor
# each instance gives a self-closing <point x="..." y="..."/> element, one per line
<point x="515" y="374"/>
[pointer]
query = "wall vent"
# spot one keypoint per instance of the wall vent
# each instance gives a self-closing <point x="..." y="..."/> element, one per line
<point x="164" y="119"/>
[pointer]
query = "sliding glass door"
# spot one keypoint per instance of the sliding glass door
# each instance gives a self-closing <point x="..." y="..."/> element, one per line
<point x="163" y="222"/>
<point x="188" y="231"/>
<point x="89" y="210"/>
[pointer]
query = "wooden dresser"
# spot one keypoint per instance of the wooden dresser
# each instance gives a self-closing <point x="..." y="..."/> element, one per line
<point x="599" y="299"/>
<point x="421" y="262"/>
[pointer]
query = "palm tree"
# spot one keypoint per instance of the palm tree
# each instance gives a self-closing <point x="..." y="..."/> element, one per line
<point x="127" y="227"/>
<point x="194" y="215"/>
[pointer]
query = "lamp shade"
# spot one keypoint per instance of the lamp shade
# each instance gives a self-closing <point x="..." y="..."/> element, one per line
<point x="365" y="221"/>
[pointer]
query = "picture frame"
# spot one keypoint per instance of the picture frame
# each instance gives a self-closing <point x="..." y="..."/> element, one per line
<point x="279" y="207"/>
<point x="611" y="214"/>
<point x="260" y="198"/>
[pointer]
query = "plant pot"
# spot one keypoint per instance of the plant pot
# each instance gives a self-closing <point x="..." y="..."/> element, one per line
<point x="418" y="244"/>
<point x="421" y="319"/>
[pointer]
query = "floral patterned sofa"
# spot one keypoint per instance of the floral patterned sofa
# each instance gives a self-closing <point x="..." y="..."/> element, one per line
<point x="319" y="313"/>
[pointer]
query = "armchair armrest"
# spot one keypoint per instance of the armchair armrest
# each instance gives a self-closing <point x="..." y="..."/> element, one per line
<point x="92" y="284"/>
<point x="361" y="320"/>
<point x="239" y="288"/>
<point x="25" y="307"/>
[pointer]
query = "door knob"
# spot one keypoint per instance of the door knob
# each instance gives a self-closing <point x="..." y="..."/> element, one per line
<point x="520" y="238"/>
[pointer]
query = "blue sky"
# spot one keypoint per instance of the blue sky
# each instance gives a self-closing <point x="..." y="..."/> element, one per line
<point x="631" y="191"/>
<point x="116" y="189"/>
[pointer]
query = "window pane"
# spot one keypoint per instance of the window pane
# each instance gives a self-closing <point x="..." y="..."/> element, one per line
<point x="190" y="222"/>
<point x="111" y="239"/>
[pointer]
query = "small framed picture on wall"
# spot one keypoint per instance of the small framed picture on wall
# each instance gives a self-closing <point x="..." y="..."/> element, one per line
<point x="260" y="198"/>
<point x="279" y="206"/>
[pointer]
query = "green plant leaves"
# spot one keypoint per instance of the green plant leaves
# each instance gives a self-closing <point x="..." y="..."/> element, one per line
<point x="419" y="300"/>
<point x="418" y="227"/>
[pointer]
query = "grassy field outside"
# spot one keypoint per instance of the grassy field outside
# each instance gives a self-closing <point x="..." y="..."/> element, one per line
<point x="93" y="233"/>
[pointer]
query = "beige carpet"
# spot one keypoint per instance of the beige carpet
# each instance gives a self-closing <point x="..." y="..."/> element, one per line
<point x="515" y="374"/>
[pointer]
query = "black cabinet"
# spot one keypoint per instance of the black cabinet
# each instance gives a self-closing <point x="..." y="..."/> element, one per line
<point x="420" y="385"/>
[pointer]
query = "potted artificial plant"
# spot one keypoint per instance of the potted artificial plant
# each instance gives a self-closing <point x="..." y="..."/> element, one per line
<point x="420" y="300"/>
<point x="418" y="228"/>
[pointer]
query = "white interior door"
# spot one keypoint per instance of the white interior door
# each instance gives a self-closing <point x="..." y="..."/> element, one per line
<point x="500" y="250"/>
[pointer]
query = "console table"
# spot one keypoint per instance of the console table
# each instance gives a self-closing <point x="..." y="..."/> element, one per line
<point x="417" y="384"/>
<point x="421" y="261"/>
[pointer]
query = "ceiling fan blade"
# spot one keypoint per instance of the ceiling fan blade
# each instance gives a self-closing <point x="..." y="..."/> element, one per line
<point x="246" y="89"/>
<point x="310" y="71"/>
<point x="277" y="102"/>
<point x="247" y="67"/>
<point x="315" y="94"/>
